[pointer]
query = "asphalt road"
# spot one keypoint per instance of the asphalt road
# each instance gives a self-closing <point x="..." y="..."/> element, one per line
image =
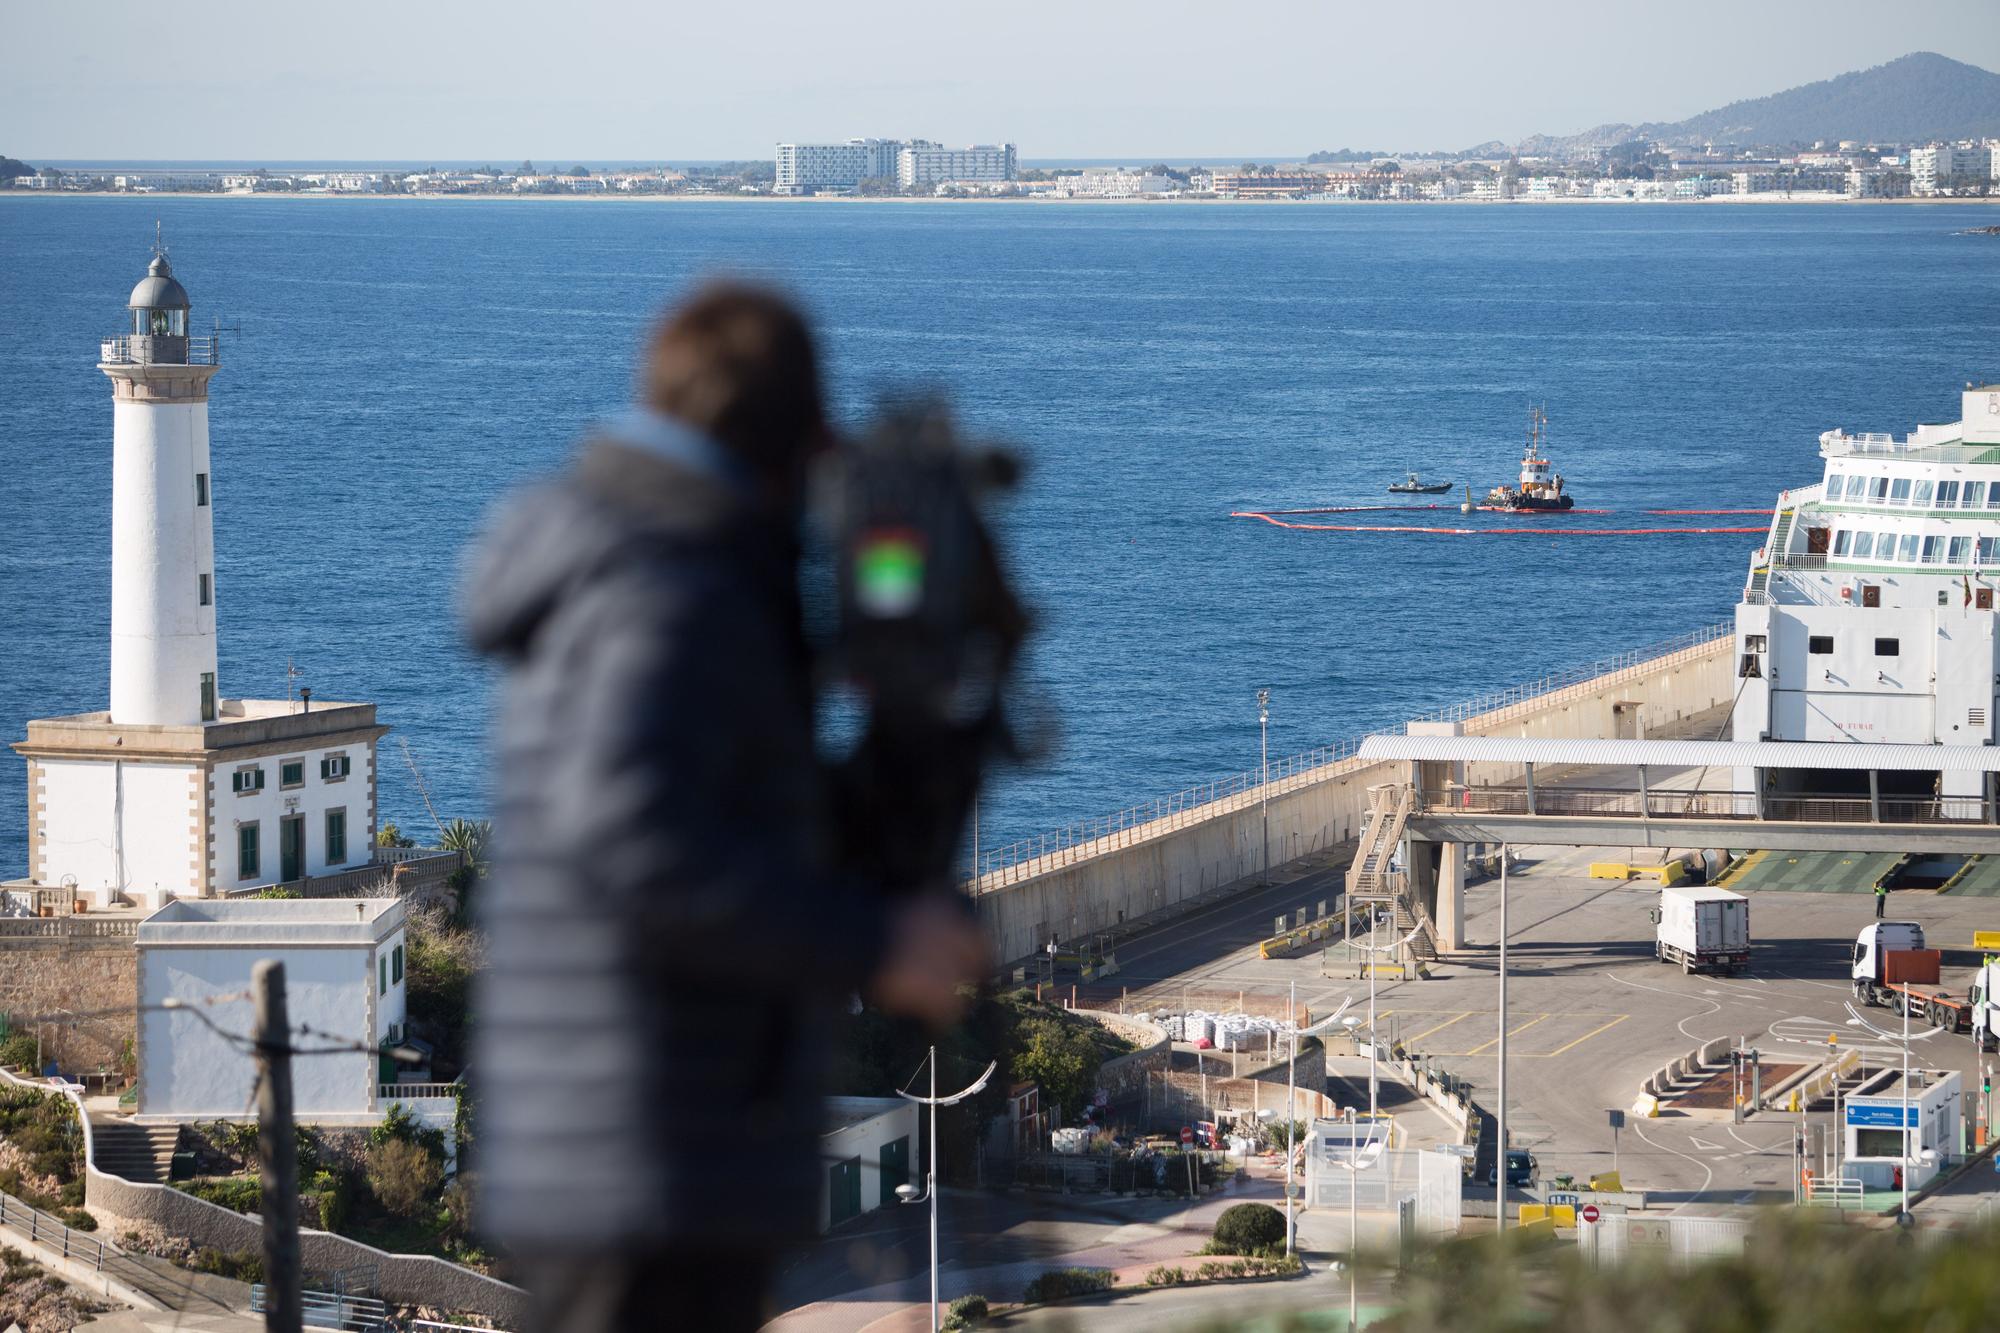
<point x="1590" y="1012"/>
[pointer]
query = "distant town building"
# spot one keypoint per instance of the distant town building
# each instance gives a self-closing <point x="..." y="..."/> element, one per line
<point x="1877" y="183"/>
<point x="923" y="163"/>
<point x="1116" y="183"/>
<point x="1936" y="168"/>
<point x="803" y="168"/>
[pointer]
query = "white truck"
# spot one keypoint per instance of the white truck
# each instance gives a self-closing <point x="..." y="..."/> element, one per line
<point x="1892" y="967"/>
<point x="1703" y="929"/>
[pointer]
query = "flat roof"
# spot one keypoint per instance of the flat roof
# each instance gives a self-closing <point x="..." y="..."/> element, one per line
<point x="846" y="1112"/>
<point x="264" y="922"/>
<point x="1703" y="893"/>
<point x="1587" y="753"/>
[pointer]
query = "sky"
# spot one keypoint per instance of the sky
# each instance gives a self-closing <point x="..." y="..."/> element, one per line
<point x="667" y="80"/>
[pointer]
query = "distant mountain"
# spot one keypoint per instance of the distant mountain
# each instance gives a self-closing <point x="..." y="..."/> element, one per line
<point x="1914" y="99"/>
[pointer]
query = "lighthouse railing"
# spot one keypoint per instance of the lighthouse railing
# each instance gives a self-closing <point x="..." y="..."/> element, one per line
<point x="202" y="350"/>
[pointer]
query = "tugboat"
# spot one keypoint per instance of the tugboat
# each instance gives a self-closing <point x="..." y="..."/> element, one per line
<point x="1412" y="484"/>
<point x="1541" y="487"/>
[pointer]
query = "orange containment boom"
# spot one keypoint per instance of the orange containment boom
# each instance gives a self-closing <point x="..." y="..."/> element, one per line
<point x="1912" y="967"/>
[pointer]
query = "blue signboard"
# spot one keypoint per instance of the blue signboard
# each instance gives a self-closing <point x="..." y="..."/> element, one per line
<point x="1883" y="1117"/>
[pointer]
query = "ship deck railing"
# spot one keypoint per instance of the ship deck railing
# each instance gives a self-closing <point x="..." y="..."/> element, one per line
<point x="1678" y="804"/>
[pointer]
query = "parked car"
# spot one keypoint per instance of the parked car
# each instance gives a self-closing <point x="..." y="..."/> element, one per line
<point x="1521" y="1169"/>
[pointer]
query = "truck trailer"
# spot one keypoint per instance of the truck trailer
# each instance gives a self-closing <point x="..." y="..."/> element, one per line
<point x="1703" y="929"/>
<point x="1893" y="968"/>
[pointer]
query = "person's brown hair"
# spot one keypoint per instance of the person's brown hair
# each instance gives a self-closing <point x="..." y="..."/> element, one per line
<point x="737" y="363"/>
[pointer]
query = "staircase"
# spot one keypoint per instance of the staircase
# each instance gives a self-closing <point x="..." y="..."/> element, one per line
<point x="1369" y="879"/>
<point x="142" y="1154"/>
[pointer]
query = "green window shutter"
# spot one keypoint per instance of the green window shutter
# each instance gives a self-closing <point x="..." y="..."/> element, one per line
<point x="336" y="836"/>
<point x="384" y="963"/>
<point x="397" y="959"/>
<point x="246" y="851"/>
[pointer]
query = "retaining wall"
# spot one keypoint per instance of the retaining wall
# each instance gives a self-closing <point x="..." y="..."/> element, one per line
<point x="1125" y="1075"/>
<point x="414" y="1279"/>
<point x="1143" y="872"/>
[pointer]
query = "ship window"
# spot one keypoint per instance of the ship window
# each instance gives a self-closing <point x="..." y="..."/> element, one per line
<point x="1993" y="496"/>
<point x="1899" y="491"/>
<point x="1961" y="547"/>
<point x="1753" y="643"/>
<point x="1907" y="550"/>
<point x="1819" y="644"/>
<point x="1986" y="545"/>
<point x="1880" y="491"/>
<point x="1974" y="495"/>
<point x="1933" y="550"/>
<point x="1947" y="495"/>
<point x="1841" y="540"/>
<point x="1864" y="545"/>
<point x="1835" y="483"/>
<point x="1888" y="648"/>
<point x="1921" y="495"/>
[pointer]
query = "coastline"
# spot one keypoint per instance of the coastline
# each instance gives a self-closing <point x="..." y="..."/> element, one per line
<point x="834" y="200"/>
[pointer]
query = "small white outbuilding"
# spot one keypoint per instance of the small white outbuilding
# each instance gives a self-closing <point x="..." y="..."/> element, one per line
<point x="345" y="986"/>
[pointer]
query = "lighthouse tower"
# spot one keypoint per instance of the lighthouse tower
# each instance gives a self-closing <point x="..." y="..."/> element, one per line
<point x="176" y="791"/>
<point x="162" y="533"/>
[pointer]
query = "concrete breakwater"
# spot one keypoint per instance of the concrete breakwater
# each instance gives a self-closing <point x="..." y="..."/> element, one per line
<point x="1154" y="861"/>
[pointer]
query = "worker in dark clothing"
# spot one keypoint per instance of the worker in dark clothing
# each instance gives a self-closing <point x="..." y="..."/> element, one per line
<point x="1881" y="899"/>
<point x="668" y="926"/>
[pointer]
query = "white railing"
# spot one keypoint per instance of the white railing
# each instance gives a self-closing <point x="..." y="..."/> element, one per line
<point x="1839" y="444"/>
<point x="1843" y="1193"/>
<point x="416" y="1092"/>
<point x="1088" y="837"/>
<point x="203" y="350"/>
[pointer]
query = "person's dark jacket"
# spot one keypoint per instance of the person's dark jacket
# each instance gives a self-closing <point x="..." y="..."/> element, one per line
<point x="666" y="935"/>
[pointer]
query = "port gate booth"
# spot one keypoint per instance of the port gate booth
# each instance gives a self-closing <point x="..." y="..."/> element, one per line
<point x="1883" y="1132"/>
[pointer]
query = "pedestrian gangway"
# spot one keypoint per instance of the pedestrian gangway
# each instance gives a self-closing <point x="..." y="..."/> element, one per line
<point x="330" y="1309"/>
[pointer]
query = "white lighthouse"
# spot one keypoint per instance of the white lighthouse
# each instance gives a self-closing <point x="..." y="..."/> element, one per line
<point x="162" y="532"/>
<point x="176" y="791"/>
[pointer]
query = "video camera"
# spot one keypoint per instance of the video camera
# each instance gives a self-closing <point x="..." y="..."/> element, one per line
<point x="928" y="633"/>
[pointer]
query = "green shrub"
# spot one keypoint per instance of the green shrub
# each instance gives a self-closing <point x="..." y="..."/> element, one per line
<point x="970" y="1311"/>
<point x="403" y="1175"/>
<point x="19" y="1051"/>
<point x="77" y="1220"/>
<point x="1062" y="1283"/>
<point x="243" y="1265"/>
<point x="1164" y="1276"/>
<point x="1247" y="1228"/>
<point x="324" y="1201"/>
<point x="239" y="1194"/>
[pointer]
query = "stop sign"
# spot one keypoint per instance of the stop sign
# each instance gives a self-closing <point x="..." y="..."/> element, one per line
<point x="1590" y="1213"/>
<point x="1187" y="1133"/>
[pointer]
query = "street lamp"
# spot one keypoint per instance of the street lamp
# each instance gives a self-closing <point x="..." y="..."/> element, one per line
<point x="907" y="1192"/>
<point x="1500" y="1114"/>
<point x="1354" y="1162"/>
<point x="1903" y="1129"/>
<point x="1264" y="785"/>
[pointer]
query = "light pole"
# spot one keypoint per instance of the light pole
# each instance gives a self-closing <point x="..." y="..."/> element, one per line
<point x="1353" y="1163"/>
<point x="1374" y="949"/>
<point x="907" y="1192"/>
<point x="1903" y="1129"/>
<point x="1500" y="1114"/>
<point x="1264" y="785"/>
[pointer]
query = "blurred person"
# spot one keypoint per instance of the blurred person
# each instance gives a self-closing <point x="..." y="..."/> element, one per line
<point x="672" y="914"/>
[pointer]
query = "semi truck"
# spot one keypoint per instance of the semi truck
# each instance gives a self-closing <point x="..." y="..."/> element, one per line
<point x="1703" y="929"/>
<point x="1892" y="967"/>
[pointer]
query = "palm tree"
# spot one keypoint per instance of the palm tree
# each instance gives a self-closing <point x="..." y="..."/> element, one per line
<point x="468" y="838"/>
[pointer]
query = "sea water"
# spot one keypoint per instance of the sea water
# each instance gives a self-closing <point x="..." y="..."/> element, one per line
<point x="391" y="367"/>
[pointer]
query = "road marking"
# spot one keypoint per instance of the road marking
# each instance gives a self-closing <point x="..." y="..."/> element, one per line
<point x="1411" y="1041"/>
<point x="1714" y="1007"/>
<point x="1707" y="1172"/>
<point x="1542" y="1018"/>
<point x="1700" y="1145"/>
<point x="1588" y="1035"/>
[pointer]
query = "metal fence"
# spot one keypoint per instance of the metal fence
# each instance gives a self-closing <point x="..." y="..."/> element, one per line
<point x="331" y="1309"/>
<point x="1011" y="862"/>
<point x="1683" y="1241"/>
<point x="43" y="1229"/>
<point x="1669" y="803"/>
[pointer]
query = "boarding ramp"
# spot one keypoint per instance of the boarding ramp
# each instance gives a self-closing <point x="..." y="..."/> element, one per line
<point x="1810" y="872"/>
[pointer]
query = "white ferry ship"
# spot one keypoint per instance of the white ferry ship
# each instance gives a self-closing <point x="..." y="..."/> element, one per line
<point x="1869" y="613"/>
